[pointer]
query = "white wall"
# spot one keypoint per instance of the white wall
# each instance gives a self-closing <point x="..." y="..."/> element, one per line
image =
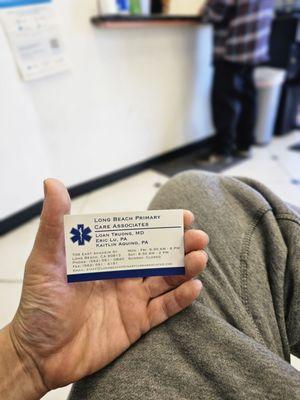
<point x="131" y="95"/>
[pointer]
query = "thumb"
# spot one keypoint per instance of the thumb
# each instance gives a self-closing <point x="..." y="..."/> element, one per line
<point x="49" y="242"/>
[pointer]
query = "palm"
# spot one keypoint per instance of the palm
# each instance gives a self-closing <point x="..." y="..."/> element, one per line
<point x="92" y="323"/>
<point x="73" y="330"/>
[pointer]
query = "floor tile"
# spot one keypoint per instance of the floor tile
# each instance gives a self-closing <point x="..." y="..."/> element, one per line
<point x="286" y="140"/>
<point x="59" y="394"/>
<point x="296" y="363"/>
<point x="286" y="191"/>
<point x="10" y="294"/>
<point x="264" y="170"/>
<point x="289" y="161"/>
<point x="275" y="166"/>
<point x="78" y="204"/>
<point x="15" y="248"/>
<point x="131" y="194"/>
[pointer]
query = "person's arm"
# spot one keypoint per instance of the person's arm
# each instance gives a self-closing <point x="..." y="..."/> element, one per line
<point x="216" y="11"/>
<point x="63" y="332"/>
<point x="19" y="379"/>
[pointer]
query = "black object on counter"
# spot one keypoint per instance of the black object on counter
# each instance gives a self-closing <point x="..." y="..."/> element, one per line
<point x="157" y="7"/>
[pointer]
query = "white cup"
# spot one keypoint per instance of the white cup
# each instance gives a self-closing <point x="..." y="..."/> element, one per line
<point x="108" y="6"/>
<point x="146" y="7"/>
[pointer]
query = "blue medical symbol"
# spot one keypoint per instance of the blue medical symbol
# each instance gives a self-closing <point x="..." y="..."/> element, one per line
<point x="81" y="235"/>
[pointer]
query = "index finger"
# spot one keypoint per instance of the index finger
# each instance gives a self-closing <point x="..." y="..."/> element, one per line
<point x="188" y="218"/>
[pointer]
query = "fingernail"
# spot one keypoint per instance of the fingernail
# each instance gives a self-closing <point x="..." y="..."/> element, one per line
<point x="206" y="237"/>
<point x="45" y="187"/>
<point x="206" y="255"/>
<point x="199" y="283"/>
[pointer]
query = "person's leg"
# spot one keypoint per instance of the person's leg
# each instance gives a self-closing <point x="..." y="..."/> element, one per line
<point x="247" y="118"/>
<point x="225" y="107"/>
<point x="234" y="342"/>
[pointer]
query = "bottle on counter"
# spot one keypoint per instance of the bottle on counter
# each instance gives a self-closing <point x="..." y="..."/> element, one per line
<point x="146" y="7"/>
<point x="123" y="6"/>
<point x="107" y="7"/>
<point x="135" y="7"/>
<point x="157" y="6"/>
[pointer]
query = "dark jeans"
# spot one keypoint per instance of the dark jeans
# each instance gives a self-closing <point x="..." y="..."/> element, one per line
<point x="234" y="107"/>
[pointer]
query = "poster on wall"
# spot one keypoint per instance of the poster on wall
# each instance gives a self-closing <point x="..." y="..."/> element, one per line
<point x="34" y="37"/>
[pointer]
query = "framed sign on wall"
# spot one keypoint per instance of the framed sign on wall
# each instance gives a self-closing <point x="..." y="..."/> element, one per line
<point x="34" y="37"/>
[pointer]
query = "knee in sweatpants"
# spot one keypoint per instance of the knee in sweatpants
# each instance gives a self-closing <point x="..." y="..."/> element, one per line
<point x="192" y="189"/>
<point x="189" y="181"/>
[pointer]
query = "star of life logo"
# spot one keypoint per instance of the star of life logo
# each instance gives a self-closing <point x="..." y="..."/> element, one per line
<point x="81" y="235"/>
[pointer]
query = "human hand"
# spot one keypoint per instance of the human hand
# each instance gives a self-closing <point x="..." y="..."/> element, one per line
<point x="63" y="332"/>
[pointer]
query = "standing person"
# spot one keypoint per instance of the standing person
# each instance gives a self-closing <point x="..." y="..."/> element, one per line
<point x="242" y="31"/>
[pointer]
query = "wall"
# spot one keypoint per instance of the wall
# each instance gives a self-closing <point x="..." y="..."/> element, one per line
<point x="131" y="95"/>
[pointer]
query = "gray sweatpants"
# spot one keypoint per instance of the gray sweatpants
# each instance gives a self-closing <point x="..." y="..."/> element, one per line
<point x="235" y="341"/>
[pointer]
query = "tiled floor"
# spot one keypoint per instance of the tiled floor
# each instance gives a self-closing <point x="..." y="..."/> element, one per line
<point x="274" y="165"/>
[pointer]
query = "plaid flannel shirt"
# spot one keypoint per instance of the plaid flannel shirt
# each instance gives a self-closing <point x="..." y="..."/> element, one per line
<point x="242" y="29"/>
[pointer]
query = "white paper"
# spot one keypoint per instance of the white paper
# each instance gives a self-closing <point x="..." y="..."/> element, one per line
<point x="35" y="40"/>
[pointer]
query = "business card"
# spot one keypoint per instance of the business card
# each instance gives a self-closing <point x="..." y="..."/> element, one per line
<point x="124" y="245"/>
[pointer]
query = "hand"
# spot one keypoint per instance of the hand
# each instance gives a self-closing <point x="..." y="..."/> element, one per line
<point x="63" y="332"/>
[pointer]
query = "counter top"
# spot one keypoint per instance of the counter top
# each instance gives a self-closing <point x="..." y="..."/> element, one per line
<point x="132" y="21"/>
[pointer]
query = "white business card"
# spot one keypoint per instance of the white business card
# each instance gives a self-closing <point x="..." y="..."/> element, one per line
<point x="124" y="245"/>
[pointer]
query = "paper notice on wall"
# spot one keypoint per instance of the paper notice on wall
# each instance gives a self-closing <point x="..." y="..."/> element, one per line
<point x="34" y="36"/>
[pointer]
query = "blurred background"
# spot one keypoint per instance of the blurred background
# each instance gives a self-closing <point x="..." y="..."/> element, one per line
<point x="115" y="96"/>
